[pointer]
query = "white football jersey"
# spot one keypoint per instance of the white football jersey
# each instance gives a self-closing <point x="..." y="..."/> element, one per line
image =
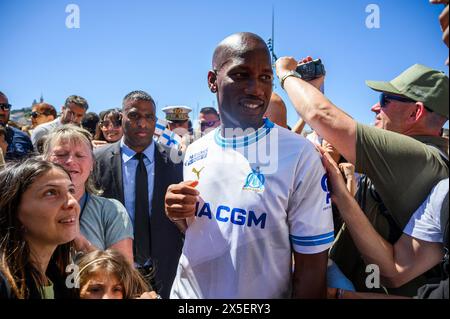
<point x="261" y="195"/>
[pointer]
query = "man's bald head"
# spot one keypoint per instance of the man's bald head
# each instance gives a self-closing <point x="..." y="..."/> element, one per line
<point x="236" y="45"/>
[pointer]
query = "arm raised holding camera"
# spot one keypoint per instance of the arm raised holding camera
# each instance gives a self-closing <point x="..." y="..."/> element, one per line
<point x="321" y="114"/>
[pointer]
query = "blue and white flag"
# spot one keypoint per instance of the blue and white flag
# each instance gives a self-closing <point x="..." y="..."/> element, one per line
<point x="170" y="139"/>
<point x="160" y="126"/>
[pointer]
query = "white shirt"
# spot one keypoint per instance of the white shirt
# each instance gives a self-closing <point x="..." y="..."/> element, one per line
<point x="252" y="208"/>
<point x="43" y="129"/>
<point x="425" y="223"/>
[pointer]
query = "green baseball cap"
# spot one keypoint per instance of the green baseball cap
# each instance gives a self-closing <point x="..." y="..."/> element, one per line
<point x="421" y="84"/>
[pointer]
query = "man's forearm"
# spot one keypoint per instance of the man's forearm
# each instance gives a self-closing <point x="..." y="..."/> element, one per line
<point x="374" y="249"/>
<point x="326" y="119"/>
<point x="306" y="99"/>
<point x="310" y="276"/>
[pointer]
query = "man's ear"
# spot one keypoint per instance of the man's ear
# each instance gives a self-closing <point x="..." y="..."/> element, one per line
<point x="212" y="81"/>
<point x="419" y="111"/>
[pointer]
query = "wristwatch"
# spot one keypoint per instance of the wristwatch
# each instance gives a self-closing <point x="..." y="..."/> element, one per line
<point x="290" y="73"/>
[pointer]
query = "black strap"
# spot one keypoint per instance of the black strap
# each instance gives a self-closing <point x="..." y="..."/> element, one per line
<point x="142" y="237"/>
<point x="366" y="188"/>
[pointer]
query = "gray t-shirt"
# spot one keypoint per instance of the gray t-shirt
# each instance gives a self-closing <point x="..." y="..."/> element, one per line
<point x="104" y="222"/>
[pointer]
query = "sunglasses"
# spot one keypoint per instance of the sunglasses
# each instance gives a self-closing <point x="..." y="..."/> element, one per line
<point x="208" y="124"/>
<point x="5" y="106"/>
<point x="385" y="98"/>
<point x="35" y="114"/>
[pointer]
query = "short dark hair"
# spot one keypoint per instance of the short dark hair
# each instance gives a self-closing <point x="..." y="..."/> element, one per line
<point x="78" y="100"/>
<point x="90" y="121"/>
<point x="209" y="110"/>
<point x="137" y="96"/>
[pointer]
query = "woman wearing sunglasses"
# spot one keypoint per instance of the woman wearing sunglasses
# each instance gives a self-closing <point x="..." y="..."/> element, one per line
<point x="109" y="128"/>
<point x="42" y="113"/>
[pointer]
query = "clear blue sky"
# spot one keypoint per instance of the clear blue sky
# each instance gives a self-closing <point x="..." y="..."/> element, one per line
<point x="165" y="47"/>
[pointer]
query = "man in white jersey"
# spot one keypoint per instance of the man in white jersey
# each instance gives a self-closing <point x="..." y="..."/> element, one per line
<point x="254" y="193"/>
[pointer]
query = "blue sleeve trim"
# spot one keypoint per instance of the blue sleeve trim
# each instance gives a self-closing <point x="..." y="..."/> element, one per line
<point x="312" y="240"/>
<point x="331" y="233"/>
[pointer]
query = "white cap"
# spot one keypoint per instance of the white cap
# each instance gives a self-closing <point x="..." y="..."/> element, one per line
<point x="177" y="112"/>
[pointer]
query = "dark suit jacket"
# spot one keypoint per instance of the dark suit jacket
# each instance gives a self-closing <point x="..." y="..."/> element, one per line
<point x="19" y="144"/>
<point x="167" y="240"/>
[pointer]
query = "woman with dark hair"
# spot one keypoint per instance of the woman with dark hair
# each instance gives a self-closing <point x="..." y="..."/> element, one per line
<point x="38" y="223"/>
<point x="109" y="128"/>
<point x="104" y="222"/>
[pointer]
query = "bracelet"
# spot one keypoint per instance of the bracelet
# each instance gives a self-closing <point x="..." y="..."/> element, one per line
<point x="339" y="293"/>
<point x="290" y="73"/>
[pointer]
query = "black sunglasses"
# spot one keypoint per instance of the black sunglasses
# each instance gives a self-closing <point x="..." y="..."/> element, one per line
<point x="35" y="114"/>
<point x="5" y="106"/>
<point x="384" y="98"/>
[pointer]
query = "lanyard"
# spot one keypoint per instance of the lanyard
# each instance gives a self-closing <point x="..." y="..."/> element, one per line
<point x="84" y="201"/>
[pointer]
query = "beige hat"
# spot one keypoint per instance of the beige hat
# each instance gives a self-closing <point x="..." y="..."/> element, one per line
<point x="177" y="112"/>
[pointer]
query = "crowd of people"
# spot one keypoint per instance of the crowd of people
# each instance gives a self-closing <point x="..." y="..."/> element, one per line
<point x="252" y="210"/>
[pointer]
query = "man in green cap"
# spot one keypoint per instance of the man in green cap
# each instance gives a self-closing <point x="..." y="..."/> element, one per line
<point x="421" y="97"/>
<point x="403" y="157"/>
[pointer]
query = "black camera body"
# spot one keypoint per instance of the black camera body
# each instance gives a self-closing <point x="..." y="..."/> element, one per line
<point x="311" y="70"/>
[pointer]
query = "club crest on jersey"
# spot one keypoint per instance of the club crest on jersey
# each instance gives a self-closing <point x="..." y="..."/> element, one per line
<point x="196" y="157"/>
<point x="255" y="181"/>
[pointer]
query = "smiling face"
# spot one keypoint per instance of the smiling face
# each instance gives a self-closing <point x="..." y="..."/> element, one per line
<point x="394" y="115"/>
<point x="72" y="114"/>
<point x="242" y="80"/>
<point x="76" y="157"/>
<point x="111" y="128"/>
<point x="138" y="123"/>
<point x="102" y="285"/>
<point x="48" y="210"/>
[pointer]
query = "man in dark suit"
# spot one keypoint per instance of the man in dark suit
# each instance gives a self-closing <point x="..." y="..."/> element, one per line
<point x="135" y="172"/>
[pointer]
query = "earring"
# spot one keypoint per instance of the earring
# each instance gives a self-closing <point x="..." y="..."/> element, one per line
<point x="213" y="89"/>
